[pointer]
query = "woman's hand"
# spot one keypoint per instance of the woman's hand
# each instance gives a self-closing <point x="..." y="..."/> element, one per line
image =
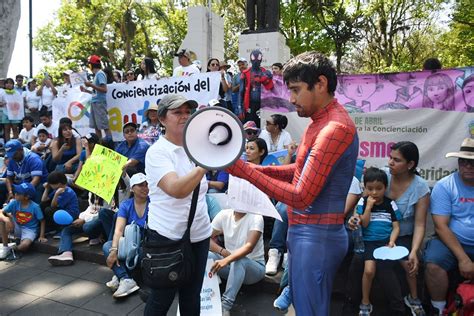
<point x="412" y="263"/>
<point x="353" y="222"/>
<point x="218" y="265"/>
<point x="68" y="166"/>
<point x="43" y="240"/>
<point x="112" y="259"/>
<point x="78" y="222"/>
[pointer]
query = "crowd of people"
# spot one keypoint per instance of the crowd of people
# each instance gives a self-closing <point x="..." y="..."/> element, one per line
<point x="314" y="190"/>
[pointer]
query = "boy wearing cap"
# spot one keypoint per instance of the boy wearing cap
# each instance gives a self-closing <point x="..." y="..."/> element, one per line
<point x="24" y="217"/>
<point x="99" y="119"/>
<point x="251" y="131"/>
<point x="186" y="67"/>
<point x="452" y="209"/>
<point x="133" y="148"/>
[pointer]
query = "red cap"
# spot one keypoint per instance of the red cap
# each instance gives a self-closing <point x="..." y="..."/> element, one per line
<point x="94" y="59"/>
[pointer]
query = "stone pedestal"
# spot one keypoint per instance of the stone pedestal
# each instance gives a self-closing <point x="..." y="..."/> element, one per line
<point x="198" y="37"/>
<point x="271" y="44"/>
<point x="10" y="11"/>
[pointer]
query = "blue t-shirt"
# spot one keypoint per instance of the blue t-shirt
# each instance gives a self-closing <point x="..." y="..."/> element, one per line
<point x="137" y="151"/>
<point x="31" y="165"/>
<point x="451" y="197"/>
<point x="127" y="211"/>
<point x="82" y="157"/>
<point x="100" y="78"/>
<point x="28" y="217"/>
<point x="407" y="202"/>
<point x="381" y="218"/>
<point x="67" y="201"/>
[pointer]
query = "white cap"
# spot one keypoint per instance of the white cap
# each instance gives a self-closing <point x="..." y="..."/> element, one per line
<point x="137" y="178"/>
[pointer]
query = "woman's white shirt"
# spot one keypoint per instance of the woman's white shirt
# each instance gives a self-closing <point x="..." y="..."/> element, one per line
<point x="168" y="215"/>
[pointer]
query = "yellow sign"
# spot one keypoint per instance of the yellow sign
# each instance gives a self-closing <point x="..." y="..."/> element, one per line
<point x="101" y="172"/>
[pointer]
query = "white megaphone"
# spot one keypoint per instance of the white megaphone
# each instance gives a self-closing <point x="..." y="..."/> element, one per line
<point x="214" y="138"/>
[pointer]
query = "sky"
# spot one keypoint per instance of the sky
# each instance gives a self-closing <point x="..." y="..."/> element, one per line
<point x="43" y="12"/>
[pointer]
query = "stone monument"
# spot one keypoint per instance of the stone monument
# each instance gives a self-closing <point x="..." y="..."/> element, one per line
<point x="205" y="36"/>
<point x="10" y="11"/>
<point x="266" y="36"/>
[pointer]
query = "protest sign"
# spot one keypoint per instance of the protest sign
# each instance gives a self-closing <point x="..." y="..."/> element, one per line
<point x="14" y="106"/>
<point x="101" y="172"/>
<point x="75" y="105"/>
<point x="432" y="109"/>
<point x="128" y="101"/>
<point x="210" y="293"/>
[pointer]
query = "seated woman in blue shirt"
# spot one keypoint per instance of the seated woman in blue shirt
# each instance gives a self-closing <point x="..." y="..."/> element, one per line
<point x="65" y="150"/>
<point x="131" y="210"/>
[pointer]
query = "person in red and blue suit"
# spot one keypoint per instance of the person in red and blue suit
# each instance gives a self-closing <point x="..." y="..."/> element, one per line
<point x="316" y="185"/>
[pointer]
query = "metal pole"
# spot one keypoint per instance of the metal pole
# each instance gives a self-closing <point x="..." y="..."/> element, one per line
<point x="30" y="35"/>
<point x="209" y="32"/>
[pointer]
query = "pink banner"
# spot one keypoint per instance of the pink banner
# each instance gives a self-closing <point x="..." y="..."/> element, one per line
<point x="446" y="90"/>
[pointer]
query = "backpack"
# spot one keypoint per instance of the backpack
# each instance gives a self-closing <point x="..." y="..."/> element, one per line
<point x="129" y="245"/>
<point x="462" y="302"/>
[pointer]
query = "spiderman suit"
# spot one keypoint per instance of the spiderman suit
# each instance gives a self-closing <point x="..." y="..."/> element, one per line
<point x="315" y="189"/>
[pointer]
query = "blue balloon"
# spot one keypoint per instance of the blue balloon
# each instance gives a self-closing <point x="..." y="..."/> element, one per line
<point x="61" y="217"/>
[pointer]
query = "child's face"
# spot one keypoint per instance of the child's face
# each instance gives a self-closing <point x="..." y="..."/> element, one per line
<point x="20" y="197"/>
<point x="42" y="137"/>
<point x="54" y="186"/>
<point x="375" y="189"/>
<point x="27" y="125"/>
<point x="437" y="93"/>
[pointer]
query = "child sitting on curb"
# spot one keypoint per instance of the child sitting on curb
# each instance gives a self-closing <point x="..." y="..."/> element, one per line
<point x="23" y="217"/>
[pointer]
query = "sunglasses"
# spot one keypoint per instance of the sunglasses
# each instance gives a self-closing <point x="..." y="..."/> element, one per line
<point x="251" y="132"/>
<point x="466" y="162"/>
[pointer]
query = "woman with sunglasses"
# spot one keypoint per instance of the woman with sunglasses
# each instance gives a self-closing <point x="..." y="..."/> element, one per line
<point x="251" y="131"/>
<point x="129" y="76"/>
<point x="225" y="88"/>
<point x="274" y="133"/>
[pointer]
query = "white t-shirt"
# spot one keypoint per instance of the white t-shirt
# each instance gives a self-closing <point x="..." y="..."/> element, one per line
<point x="26" y="136"/>
<point x="168" y="215"/>
<point x="38" y="143"/>
<point x="355" y="187"/>
<point x="236" y="233"/>
<point x="47" y="98"/>
<point x="181" y="71"/>
<point x="283" y="140"/>
<point x="52" y="129"/>
<point x="33" y="101"/>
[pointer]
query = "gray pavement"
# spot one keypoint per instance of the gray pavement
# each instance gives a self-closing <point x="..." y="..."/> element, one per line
<point x="31" y="286"/>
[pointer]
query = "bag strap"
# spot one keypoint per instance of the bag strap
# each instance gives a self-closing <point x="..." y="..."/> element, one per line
<point x="192" y="211"/>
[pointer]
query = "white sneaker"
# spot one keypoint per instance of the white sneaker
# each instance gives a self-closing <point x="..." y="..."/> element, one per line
<point x="285" y="260"/>
<point x="273" y="261"/>
<point x="113" y="284"/>
<point x="126" y="287"/>
<point x="4" y="252"/>
<point x="64" y="259"/>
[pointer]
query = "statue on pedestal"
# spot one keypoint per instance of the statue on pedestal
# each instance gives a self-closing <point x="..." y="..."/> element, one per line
<point x="268" y="15"/>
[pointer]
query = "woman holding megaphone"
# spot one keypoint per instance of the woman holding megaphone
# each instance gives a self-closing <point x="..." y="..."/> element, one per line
<point x="172" y="178"/>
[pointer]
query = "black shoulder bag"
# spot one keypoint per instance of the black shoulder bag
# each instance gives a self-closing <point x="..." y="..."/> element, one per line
<point x="169" y="263"/>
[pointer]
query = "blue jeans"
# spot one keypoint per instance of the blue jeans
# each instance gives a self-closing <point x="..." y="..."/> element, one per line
<point x="160" y="300"/>
<point x="90" y="228"/>
<point x="120" y="271"/>
<point x="315" y="253"/>
<point x="280" y="229"/>
<point x="242" y="271"/>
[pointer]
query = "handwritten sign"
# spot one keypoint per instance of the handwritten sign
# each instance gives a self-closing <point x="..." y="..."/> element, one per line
<point x="14" y="106"/>
<point x="101" y="172"/>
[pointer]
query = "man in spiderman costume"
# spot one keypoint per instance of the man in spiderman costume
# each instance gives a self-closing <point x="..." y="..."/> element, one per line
<point x="316" y="185"/>
<point x="252" y="80"/>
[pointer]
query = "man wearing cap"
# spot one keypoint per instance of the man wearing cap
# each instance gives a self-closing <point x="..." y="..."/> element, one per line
<point x="24" y="166"/>
<point x="251" y="131"/>
<point x="452" y="209"/>
<point x="99" y="119"/>
<point x="242" y="65"/>
<point x="186" y="66"/>
<point x="133" y="148"/>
